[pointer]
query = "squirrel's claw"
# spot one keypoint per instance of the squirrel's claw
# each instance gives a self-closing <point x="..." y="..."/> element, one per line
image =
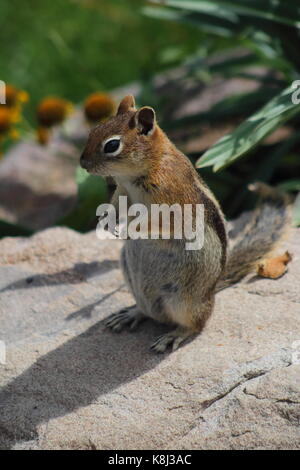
<point x="126" y="317"/>
<point x="174" y="339"/>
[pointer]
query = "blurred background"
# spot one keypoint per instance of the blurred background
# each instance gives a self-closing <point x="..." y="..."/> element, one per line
<point x="212" y="69"/>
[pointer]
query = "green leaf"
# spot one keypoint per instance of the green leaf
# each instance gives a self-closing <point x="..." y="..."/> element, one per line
<point x="290" y="185"/>
<point x="217" y="25"/>
<point x="202" y="6"/>
<point x="251" y="132"/>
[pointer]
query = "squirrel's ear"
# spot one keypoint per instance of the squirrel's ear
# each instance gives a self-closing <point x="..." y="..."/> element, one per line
<point x="126" y="104"/>
<point x="145" y="120"/>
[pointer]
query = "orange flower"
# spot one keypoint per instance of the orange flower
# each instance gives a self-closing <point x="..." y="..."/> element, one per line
<point x="98" y="106"/>
<point x="10" y="112"/>
<point x="52" y="111"/>
<point x="7" y="120"/>
<point x="14" y="96"/>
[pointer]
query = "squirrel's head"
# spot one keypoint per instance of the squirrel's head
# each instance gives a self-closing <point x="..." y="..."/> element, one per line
<point x="122" y="145"/>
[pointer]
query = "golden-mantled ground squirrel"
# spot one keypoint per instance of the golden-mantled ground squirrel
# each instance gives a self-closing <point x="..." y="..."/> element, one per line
<point x="171" y="284"/>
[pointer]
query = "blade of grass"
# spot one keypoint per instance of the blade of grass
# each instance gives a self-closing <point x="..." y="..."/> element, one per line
<point x="251" y="132"/>
<point x="202" y="6"/>
<point x="207" y="23"/>
<point x="290" y="185"/>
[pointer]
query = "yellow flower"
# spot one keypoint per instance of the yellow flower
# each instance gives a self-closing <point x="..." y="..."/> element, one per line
<point x="14" y="99"/>
<point x="23" y="96"/>
<point x="6" y="124"/>
<point x="52" y="111"/>
<point x="14" y="134"/>
<point x="98" y="106"/>
<point x="15" y="114"/>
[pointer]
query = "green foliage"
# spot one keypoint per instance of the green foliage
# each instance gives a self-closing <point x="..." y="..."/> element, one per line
<point x="291" y="185"/>
<point x="270" y="31"/>
<point x="270" y="28"/>
<point x="277" y="11"/>
<point x="71" y="48"/>
<point x="251" y="132"/>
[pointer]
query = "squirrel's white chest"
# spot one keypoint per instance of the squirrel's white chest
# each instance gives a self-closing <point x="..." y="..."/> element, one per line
<point x="136" y="194"/>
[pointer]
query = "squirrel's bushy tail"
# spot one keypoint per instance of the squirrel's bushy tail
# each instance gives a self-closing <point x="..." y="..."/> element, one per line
<point x="266" y="229"/>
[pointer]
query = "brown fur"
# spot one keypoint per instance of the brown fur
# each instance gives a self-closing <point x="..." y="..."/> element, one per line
<point x="169" y="283"/>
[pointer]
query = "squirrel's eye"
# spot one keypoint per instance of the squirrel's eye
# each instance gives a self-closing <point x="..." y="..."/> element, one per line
<point x="111" y="146"/>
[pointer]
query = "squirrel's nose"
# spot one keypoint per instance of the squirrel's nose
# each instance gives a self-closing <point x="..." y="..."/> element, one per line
<point x="83" y="161"/>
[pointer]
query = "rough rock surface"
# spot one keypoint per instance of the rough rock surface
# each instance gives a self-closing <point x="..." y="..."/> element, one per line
<point x="70" y="384"/>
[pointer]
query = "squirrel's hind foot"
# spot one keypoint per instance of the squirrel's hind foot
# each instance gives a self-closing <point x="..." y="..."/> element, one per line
<point x="130" y="317"/>
<point x="173" y="339"/>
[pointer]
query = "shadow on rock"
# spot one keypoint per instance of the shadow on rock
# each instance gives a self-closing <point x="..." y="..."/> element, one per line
<point x="87" y="310"/>
<point x="72" y="376"/>
<point x="79" y="273"/>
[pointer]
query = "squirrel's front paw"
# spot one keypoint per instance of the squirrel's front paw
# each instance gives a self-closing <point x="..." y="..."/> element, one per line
<point x="117" y="231"/>
<point x="127" y="317"/>
<point x="109" y="224"/>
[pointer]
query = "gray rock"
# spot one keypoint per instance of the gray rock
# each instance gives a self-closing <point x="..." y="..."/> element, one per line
<point x="70" y="384"/>
<point x="37" y="184"/>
